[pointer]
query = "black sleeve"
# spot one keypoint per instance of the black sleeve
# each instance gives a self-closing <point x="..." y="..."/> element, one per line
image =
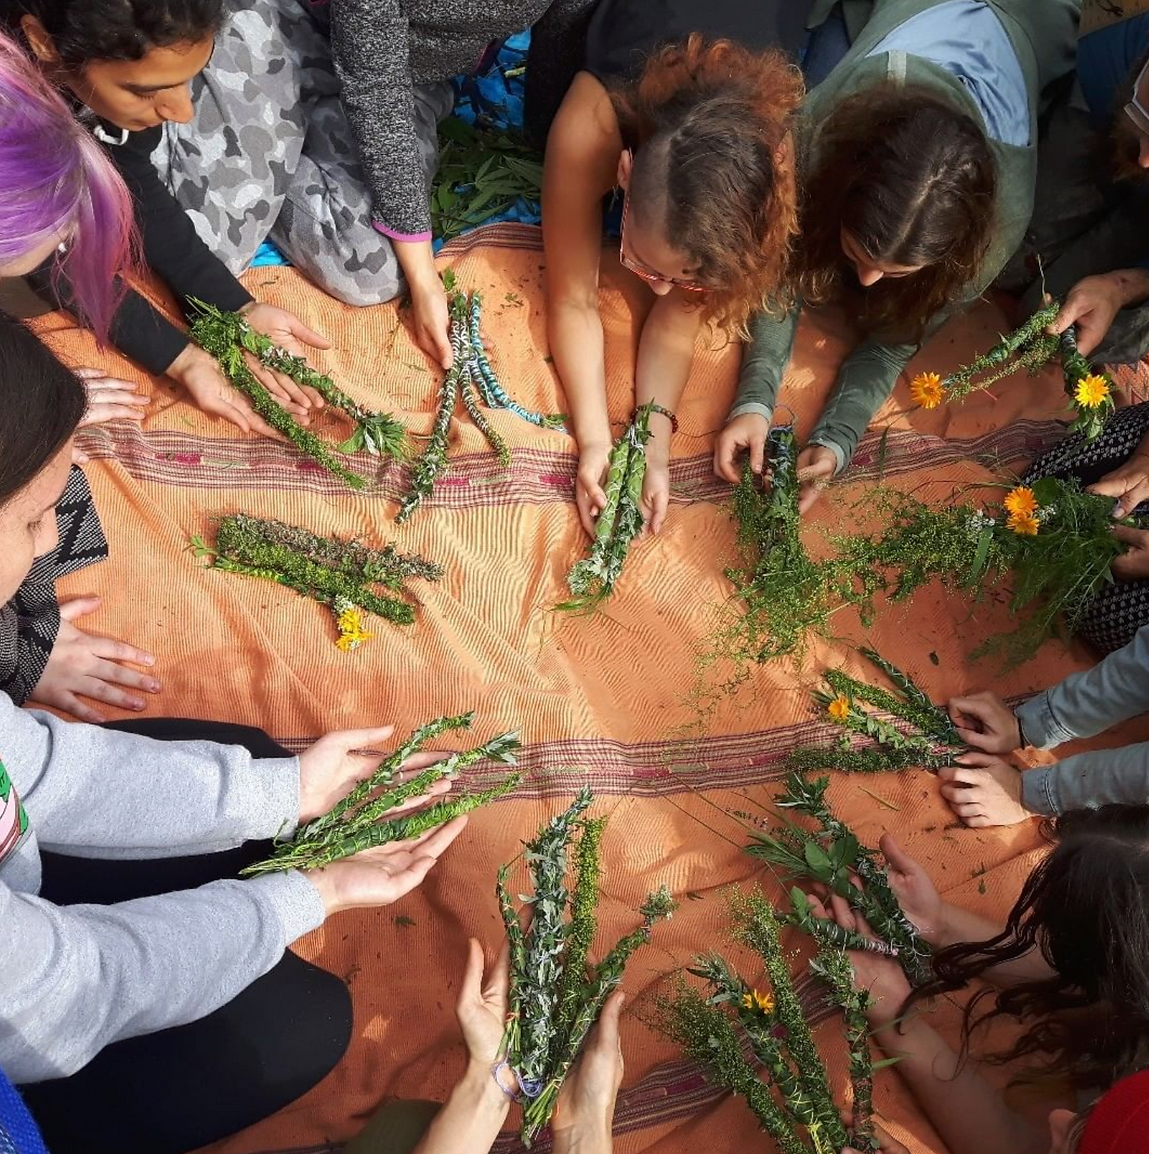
<point x="558" y="48"/>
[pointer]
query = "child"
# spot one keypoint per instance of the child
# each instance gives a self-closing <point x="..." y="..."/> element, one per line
<point x="989" y="791"/>
<point x="695" y="130"/>
<point x="918" y="169"/>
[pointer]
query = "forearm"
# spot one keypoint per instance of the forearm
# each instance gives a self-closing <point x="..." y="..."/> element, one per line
<point x="764" y="361"/>
<point x="665" y="354"/>
<point x="417" y="260"/>
<point x="1090" y="702"/>
<point x="471" y="1118"/>
<point x="961" y="1105"/>
<point x="864" y="383"/>
<point x="584" y="1140"/>
<point x="1088" y="780"/>
<point x="577" y="348"/>
<point x="959" y="926"/>
<point x="1130" y="286"/>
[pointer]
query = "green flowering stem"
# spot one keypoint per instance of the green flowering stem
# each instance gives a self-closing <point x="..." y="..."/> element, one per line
<point x="583" y="922"/>
<point x="959" y="384"/>
<point x="873" y="759"/>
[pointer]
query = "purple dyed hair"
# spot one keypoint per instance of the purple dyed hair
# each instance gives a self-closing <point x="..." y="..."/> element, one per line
<point x="57" y="183"/>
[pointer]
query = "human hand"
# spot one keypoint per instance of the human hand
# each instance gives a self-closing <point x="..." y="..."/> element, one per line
<point x="914" y="889"/>
<point x="1133" y="564"/>
<point x="590" y="496"/>
<point x="380" y="876"/>
<point x="329" y="769"/>
<point x="431" y="320"/>
<point x="213" y="394"/>
<point x="83" y="665"/>
<point x="878" y="974"/>
<point x="749" y="432"/>
<point x="655" y="491"/>
<point x="109" y="399"/>
<point x="816" y="465"/>
<point x="482" y="1006"/>
<point x="584" y="1112"/>
<point x="1092" y="304"/>
<point x="984" y="791"/>
<point x="294" y="337"/>
<point x="985" y="722"/>
<point x="1129" y="484"/>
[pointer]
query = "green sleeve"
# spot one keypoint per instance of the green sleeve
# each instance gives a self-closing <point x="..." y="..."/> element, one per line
<point x="865" y="380"/>
<point x="764" y="361"/>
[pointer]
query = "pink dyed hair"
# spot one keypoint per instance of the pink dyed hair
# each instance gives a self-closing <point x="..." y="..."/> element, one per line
<point x="57" y="183"/>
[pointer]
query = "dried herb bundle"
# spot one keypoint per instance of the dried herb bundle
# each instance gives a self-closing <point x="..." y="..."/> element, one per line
<point x="593" y="579"/>
<point x="925" y="736"/>
<point x="830" y="856"/>
<point x="471" y="379"/>
<point x="227" y="336"/>
<point x="556" y="994"/>
<point x="787" y="1085"/>
<point x="360" y="821"/>
<point x="334" y="572"/>
<point x="1029" y="347"/>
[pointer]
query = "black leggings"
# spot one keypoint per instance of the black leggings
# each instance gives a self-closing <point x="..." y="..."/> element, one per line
<point x="176" y="1090"/>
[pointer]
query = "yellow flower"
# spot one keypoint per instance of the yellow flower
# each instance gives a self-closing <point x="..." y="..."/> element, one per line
<point x="927" y="390"/>
<point x="755" y="1000"/>
<point x="1024" y="524"/>
<point x="1021" y="502"/>
<point x="839" y="708"/>
<point x="1091" y="391"/>
<point x="351" y="631"/>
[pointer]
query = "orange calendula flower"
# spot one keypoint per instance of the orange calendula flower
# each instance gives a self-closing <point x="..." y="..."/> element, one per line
<point x="839" y="708"/>
<point x="1021" y="502"/>
<point x="1091" y="391"/>
<point x="1024" y="524"/>
<point x="927" y="390"/>
<point x="756" y="1001"/>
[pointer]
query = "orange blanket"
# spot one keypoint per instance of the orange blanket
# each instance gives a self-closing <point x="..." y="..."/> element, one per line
<point x="610" y="700"/>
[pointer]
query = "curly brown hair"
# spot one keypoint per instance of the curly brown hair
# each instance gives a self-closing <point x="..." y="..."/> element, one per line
<point x="708" y="121"/>
<point x="912" y="178"/>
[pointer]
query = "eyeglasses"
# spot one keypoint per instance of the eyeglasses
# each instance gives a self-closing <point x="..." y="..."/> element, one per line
<point x="640" y="270"/>
<point x="1135" y="110"/>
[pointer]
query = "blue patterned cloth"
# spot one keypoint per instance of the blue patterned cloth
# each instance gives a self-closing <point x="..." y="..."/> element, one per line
<point x="18" y="1133"/>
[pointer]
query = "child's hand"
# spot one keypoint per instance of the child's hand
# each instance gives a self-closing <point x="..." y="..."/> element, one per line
<point x="655" y="492"/>
<point x="984" y="791"/>
<point x="816" y="465"/>
<point x="747" y="432"/>
<point x="985" y="722"/>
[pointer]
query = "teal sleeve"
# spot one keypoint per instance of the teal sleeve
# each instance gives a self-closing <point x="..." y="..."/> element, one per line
<point x="866" y="379"/>
<point x="764" y="361"/>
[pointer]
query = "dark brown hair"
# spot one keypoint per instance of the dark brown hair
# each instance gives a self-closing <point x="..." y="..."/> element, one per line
<point x="706" y="121"/>
<point x="1086" y="910"/>
<point x="912" y="179"/>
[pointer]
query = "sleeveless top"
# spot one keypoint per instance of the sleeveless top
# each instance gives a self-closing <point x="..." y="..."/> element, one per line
<point x="623" y="33"/>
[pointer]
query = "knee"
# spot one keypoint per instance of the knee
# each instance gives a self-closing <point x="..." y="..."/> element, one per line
<point x="363" y="295"/>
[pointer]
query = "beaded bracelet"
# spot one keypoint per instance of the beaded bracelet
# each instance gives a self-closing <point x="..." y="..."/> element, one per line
<point x="663" y="411"/>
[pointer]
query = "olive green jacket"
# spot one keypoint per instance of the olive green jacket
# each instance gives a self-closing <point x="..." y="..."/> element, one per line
<point x="1043" y="34"/>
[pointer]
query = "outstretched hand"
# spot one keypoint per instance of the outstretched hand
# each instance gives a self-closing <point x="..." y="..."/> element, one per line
<point x="293" y="336"/>
<point x="482" y="1005"/>
<point x="586" y="1102"/>
<point x="914" y="889"/>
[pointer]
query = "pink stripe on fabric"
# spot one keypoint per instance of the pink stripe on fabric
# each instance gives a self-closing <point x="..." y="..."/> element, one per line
<point x="410" y="237"/>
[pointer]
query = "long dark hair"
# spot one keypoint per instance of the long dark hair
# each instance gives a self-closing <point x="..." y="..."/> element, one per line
<point x="84" y="30"/>
<point x="912" y="178"/>
<point x="1086" y="909"/>
<point x="44" y="404"/>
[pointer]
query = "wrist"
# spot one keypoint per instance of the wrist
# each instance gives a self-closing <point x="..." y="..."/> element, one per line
<point x="583" y="1137"/>
<point x="480" y="1089"/>
<point x="191" y="355"/>
<point x="328" y="890"/>
<point x="1132" y="285"/>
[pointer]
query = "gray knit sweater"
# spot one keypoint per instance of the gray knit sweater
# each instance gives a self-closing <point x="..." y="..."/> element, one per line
<point x="382" y="48"/>
<point x="75" y="978"/>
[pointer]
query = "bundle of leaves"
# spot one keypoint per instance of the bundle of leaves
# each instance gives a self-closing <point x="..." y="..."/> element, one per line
<point x="228" y="336"/>
<point x="472" y="379"/>
<point x="1029" y="347"/>
<point x="785" y="1082"/>
<point x="833" y="856"/>
<point x="483" y="173"/>
<point x="556" y="993"/>
<point x="328" y="570"/>
<point x="593" y="579"/>
<point x="1053" y="542"/>
<point x="359" y="821"/>
<point x="915" y="732"/>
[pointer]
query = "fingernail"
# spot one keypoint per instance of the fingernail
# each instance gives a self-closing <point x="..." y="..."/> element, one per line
<point x="153" y="687"/>
<point x="138" y="706"/>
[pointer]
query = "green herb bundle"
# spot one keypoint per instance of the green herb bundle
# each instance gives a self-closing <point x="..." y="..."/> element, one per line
<point x="1029" y="347"/>
<point x="482" y="173"/>
<point x="556" y="994"/>
<point x="593" y="579"/>
<point x="333" y="572"/>
<point x="921" y="733"/>
<point x="227" y="336"/>
<point x="359" y="821"/>
<point x="787" y="1084"/>
<point x="831" y="856"/>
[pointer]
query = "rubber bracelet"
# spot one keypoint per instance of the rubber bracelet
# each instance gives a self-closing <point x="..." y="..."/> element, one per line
<point x="663" y="411"/>
<point x="515" y="1095"/>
